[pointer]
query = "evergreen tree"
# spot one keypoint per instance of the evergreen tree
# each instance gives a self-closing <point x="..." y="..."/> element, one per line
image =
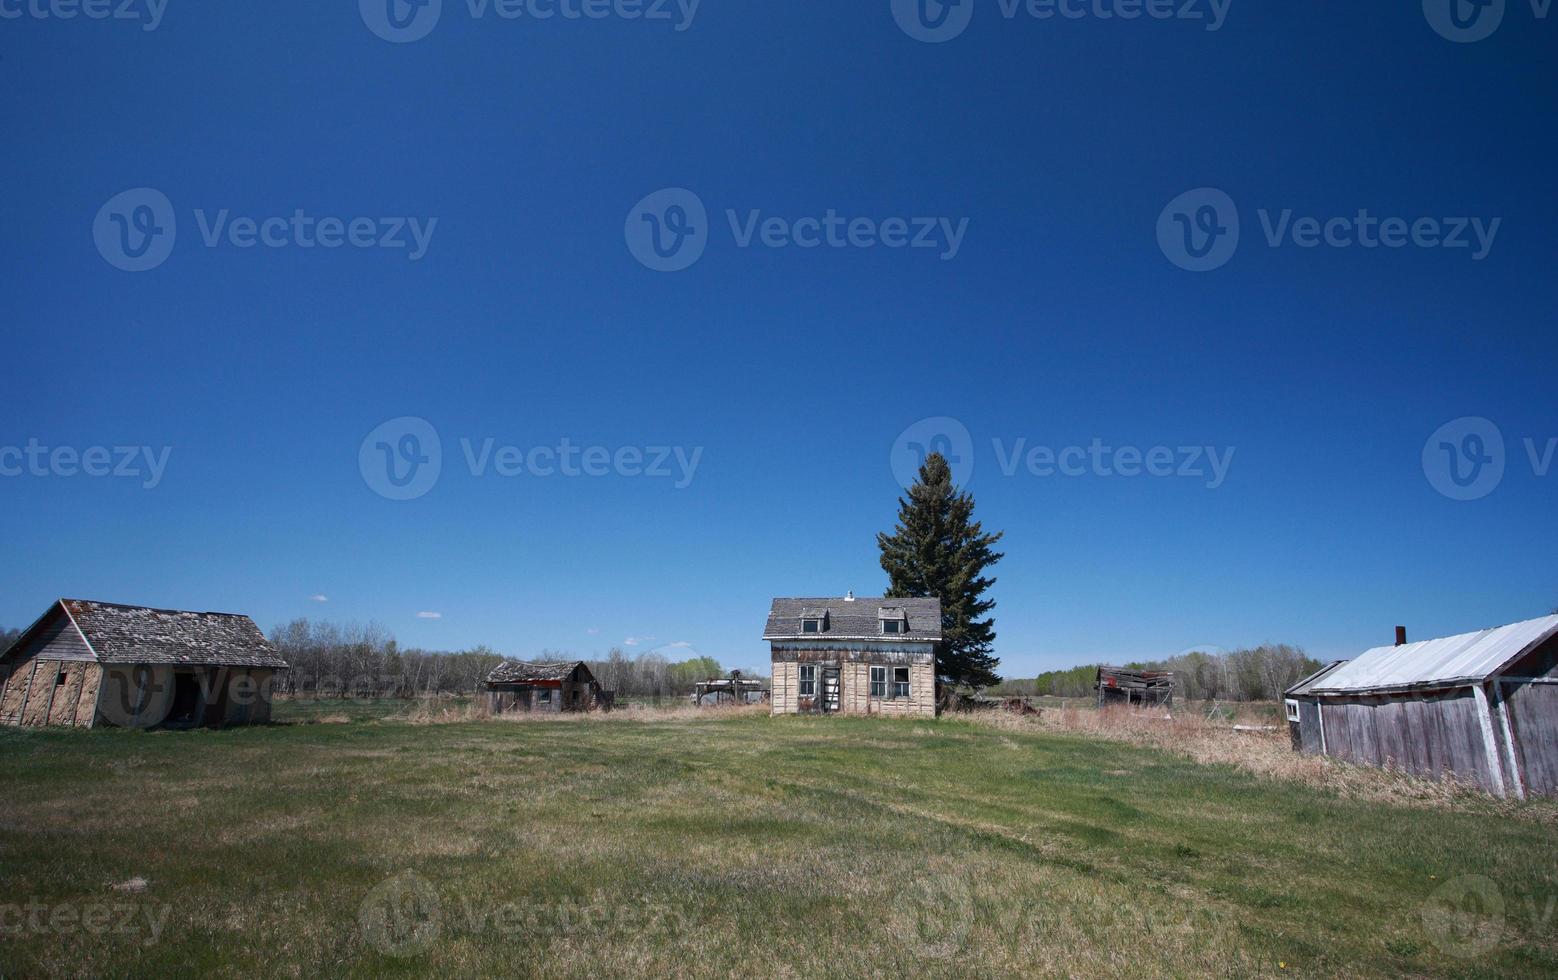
<point x="938" y="550"/>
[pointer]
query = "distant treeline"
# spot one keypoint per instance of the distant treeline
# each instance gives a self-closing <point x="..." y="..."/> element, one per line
<point x="330" y="660"/>
<point x="8" y="637"/>
<point x="1258" y="674"/>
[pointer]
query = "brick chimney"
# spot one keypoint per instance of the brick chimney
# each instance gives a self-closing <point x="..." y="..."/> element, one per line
<point x="1401" y="636"/>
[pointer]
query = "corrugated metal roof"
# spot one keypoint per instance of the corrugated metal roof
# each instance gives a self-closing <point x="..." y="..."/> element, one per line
<point x="1466" y="659"/>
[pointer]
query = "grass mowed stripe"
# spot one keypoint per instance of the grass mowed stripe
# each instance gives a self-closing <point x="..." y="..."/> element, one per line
<point x="707" y="846"/>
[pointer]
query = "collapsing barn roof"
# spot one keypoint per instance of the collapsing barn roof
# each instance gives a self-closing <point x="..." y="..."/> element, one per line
<point x="119" y="634"/>
<point x="519" y="672"/>
<point x="1453" y="661"/>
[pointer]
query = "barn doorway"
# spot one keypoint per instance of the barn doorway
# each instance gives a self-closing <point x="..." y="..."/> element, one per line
<point x="186" y="700"/>
<point x="830" y="690"/>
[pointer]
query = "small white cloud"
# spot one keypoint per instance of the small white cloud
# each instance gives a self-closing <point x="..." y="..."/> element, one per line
<point x="430" y="615"/>
<point x="593" y="630"/>
<point x="634" y="641"/>
<point x="678" y="645"/>
<point x="319" y="598"/>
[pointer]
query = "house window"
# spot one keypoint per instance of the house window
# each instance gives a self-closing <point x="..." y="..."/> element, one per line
<point x="1292" y="710"/>
<point x="900" y="682"/>
<point x="808" y="680"/>
<point x="62" y="677"/>
<point x="879" y="682"/>
<point x="811" y="626"/>
<point x="546" y="696"/>
<point x="892" y="625"/>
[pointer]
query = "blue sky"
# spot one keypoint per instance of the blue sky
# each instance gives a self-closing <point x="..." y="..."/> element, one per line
<point x="1056" y="145"/>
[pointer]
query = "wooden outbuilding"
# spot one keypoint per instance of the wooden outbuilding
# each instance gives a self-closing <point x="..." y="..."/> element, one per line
<point x="86" y="663"/>
<point x="556" y="686"/>
<point x="1121" y="685"/>
<point x="854" y="655"/>
<point x="1482" y="706"/>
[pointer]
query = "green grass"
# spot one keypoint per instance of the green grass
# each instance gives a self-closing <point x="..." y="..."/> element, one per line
<point x="712" y="846"/>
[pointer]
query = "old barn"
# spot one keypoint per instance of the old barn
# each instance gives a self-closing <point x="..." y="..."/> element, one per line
<point x="557" y="686"/>
<point x="854" y="656"/>
<point x="87" y="663"/>
<point x="1483" y="706"/>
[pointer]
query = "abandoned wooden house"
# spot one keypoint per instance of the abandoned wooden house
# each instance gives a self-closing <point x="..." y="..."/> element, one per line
<point x="89" y="663"/>
<point x="1121" y="685"/>
<point x="1483" y="706"/>
<point x="558" y="686"/>
<point x="854" y="656"/>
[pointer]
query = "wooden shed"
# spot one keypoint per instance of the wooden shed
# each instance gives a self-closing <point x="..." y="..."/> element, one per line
<point x="557" y="686"/>
<point x="86" y="663"/>
<point x="1122" y="685"/>
<point x="854" y="655"/>
<point x="1482" y="706"/>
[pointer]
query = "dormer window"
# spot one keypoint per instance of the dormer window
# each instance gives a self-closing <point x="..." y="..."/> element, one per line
<point x="894" y="620"/>
<point x="814" y="620"/>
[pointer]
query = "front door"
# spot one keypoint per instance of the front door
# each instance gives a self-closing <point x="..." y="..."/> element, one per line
<point x="830" y="689"/>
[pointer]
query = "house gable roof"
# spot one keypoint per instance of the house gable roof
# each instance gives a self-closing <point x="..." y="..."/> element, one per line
<point x="120" y="634"/>
<point x="859" y="618"/>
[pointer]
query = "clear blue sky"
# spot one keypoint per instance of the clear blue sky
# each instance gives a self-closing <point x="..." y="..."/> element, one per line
<point x="529" y="320"/>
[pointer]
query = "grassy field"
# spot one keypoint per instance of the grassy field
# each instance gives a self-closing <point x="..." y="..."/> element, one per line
<point x="721" y="844"/>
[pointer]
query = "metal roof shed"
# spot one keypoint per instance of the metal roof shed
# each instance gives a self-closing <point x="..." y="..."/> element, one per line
<point x="1482" y="706"/>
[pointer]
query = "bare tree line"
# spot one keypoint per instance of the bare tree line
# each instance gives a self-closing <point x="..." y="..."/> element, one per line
<point x="1256" y="674"/>
<point x="356" y="661"/>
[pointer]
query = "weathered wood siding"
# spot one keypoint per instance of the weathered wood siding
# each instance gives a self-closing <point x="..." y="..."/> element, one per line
<point x="1533" y="715"/>
<point x="1426" y="734"/>
<point x="40" y="692"/>
<point x="854" y="667"/>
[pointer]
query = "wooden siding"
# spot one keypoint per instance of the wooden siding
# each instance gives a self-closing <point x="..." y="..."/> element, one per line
<point x="854" y="668"/>
<point x="1426" y="734"/>
<point x="1533" y="715"/>
<point x="40" y="692"/>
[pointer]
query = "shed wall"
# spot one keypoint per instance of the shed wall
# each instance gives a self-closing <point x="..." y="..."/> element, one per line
<point x="1425" y="734"/>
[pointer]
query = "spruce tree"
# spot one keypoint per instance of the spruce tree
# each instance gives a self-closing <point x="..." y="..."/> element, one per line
<point x="938" y="550"/>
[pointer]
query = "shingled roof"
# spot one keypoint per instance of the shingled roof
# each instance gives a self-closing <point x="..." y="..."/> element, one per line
<point x="858" y="618"/>
<point x="519" y="672"/>
<point x="119" y="634"/>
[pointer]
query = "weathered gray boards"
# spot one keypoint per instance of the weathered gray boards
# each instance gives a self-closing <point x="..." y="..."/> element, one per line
<point x="854" y="656"/>
<point x="89" y="663"/>
<point x="1483" y="706"/>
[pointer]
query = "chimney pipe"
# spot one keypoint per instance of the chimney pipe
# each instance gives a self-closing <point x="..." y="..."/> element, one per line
<point x="1401" y="636"/>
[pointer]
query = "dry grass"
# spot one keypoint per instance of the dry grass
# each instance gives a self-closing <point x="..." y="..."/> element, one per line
<point x="1268" y="754"/>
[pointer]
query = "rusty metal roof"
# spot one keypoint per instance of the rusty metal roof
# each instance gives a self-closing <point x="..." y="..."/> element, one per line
<point x="1469" y="658"/>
